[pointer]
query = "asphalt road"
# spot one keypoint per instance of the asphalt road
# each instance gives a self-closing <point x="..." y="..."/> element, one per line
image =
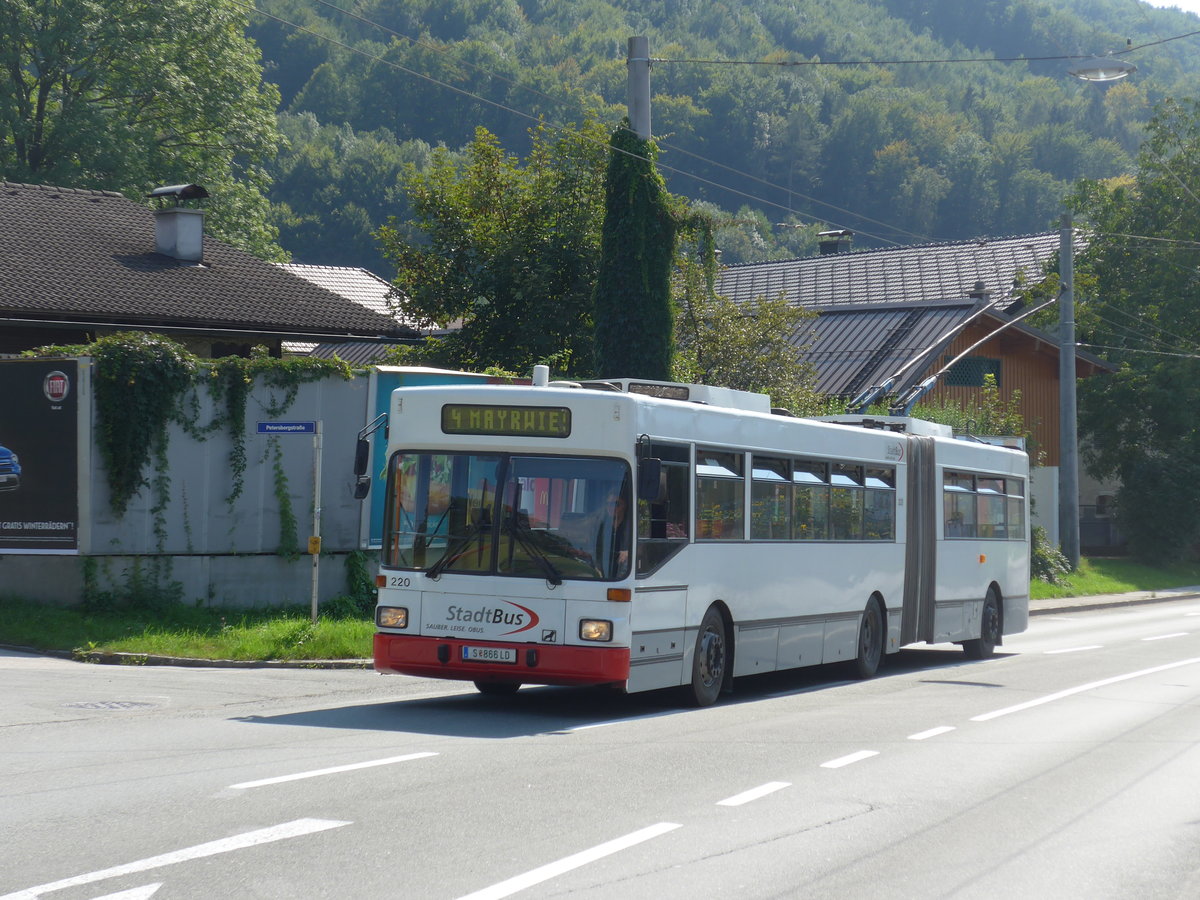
<point x="1068" y="766"/>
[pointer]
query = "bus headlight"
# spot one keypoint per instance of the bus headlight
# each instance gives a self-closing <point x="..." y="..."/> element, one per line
<point x="391" y="617"/>
<point x="595" y="630"/>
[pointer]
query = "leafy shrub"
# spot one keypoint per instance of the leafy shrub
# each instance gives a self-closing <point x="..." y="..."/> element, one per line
<point x="1047" y="562"/>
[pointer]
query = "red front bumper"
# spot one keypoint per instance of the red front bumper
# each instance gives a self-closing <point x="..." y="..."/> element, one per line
<point x="435" y="657"/>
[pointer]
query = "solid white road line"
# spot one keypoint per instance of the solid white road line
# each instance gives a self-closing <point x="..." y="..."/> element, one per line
<point x="932" y="732"/>
<point x="566" y="864"/>
<point x="333" y="770"/>
<point x="849" y="760"/>
<point x="1070" y="692"/>
<point x="1075" y="649"/>
<point x="298" y="828"/>
<point x="1163" y="637"/>
<point x="754" y="793"/>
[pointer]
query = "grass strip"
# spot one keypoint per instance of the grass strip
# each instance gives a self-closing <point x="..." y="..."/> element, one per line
<point x="198" y="633"/>
<point x="1099" y="575"/>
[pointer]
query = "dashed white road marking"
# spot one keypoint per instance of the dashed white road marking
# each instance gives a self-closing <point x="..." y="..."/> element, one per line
<point x="1075" y="649"/>
<point x="139" y="893"/>
<point x="1070" y="692"/>
<point x="566" y="864"/>
<point x="754" y="793"/>
<point x="333" y="770"/>
<point x="1163" y="637"/>
<point x="297" y="828"/>
<point x="850" y="759"/>
<point x="932" y="732"/>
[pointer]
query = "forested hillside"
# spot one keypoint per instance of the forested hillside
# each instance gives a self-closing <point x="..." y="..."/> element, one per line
<point x="896" y="152"/>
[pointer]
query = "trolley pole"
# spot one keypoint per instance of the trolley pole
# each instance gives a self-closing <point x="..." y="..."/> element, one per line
<point x="1068" y="435"/>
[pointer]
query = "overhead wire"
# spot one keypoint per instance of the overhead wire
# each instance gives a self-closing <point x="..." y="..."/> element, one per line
<point x="253" y="8"/>
<point x="250" y="6"/>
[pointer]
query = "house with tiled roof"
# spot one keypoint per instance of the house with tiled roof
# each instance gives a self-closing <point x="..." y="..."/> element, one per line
<point x="360" y="286"/>
<point x="75" y="264"/>
<point x="912" y="310"/>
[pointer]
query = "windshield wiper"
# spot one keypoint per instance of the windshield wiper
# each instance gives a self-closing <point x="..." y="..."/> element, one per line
<point x="535" y="552"/>
<point x="455" y="549"/>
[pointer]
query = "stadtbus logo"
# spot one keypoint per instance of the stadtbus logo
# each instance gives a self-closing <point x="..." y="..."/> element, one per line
<point x="56" y="386"/>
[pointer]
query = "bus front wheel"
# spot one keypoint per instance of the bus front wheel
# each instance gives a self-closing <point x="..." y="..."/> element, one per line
<point x="709" y="660"/>
<point x="870" y="641"/>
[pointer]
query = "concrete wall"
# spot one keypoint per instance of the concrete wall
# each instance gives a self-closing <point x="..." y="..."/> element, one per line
<point x="221" y="552"/>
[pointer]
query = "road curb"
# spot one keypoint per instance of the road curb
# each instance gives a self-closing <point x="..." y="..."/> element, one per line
<point x="106" y="658"/>
<point x="1107" y="601"/>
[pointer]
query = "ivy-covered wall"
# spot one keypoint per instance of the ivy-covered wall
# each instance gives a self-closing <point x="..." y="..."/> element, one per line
<point x="220" y="513"/>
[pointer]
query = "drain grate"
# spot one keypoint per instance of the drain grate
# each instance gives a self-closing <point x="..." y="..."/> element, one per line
<point x="110" y="704"/>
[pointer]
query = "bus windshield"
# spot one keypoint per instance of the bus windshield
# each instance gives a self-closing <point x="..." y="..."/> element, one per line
<point x="551" y="517"/>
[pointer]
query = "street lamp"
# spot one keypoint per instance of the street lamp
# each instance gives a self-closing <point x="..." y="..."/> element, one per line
<point x="1102" y="69"/>
<point x="1099" y="70"/>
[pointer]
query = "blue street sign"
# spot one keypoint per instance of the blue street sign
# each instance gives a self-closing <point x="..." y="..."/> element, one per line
<point x="287" y="427"/>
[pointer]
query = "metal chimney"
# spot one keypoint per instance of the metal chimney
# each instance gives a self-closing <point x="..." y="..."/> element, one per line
<point x="179" y="229"/>
<point x="835" y="241"/>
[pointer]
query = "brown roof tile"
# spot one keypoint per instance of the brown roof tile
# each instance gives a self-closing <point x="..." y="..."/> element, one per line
<point x="89" y="256"/>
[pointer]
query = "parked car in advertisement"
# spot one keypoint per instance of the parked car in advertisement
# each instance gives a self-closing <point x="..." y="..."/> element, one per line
<point x="10" y="470"/>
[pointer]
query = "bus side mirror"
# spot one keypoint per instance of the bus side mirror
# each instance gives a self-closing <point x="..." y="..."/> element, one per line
<point x="362" y="482"/>
<point x="362" y="455"/>
<point x="650" y="480"/>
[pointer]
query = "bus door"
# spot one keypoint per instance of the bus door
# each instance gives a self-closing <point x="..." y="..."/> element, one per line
<point x="920" y="551"/>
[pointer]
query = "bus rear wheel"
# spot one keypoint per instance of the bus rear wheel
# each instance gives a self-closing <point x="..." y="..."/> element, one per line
<point x="709" y="659"/>
<point x="984" y="647"/>
<point x="870" y="641"/>
<point x="497" y="688"/>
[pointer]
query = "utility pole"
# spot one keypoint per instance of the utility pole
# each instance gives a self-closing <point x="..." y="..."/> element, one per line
<point x="1068" y="434"/>
<point x="638" y="86"/>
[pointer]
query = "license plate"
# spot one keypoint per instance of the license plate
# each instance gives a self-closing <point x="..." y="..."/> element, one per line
<point x="489" y="654"/>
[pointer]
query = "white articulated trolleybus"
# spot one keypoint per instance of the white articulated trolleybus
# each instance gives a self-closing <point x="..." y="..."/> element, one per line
<point x="650" y="535"/>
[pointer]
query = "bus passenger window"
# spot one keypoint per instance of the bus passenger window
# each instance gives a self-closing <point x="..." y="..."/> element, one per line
<point x="770" y="499"/>
<point x="810" y="501"/>
<point x="879" y="514"/>
<point x="959" y="508"/>
<point x="720" y="495"/>
<point x="991" y="508"/>
<point x="846" y="502"/>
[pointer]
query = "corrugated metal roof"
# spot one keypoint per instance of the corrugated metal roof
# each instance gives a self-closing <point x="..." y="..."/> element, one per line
<point x="854" y="349"/>
<point x="879" y="310"/>
<point x="913" y="274"/>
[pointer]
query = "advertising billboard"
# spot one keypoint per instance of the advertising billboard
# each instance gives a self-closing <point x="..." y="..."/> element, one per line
<point x="39" y="472"/>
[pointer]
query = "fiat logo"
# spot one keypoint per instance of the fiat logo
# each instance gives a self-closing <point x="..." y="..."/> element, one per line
<point x="56" y="386"/>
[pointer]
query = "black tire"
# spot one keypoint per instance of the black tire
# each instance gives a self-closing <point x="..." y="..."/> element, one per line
<point x="984" y="647"/>
<point x="709" y="659"/>
<point x="870" y="641"/>
<point x="497" y="688"/>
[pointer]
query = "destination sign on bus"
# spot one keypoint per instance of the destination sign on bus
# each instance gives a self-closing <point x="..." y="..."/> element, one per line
<point x="509" y="421"/>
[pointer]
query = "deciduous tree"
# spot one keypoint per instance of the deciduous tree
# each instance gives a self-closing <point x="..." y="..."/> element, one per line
<point x="506" y="250"/>
<point x="1141" y="423"/>
<point x="128" y="95"/>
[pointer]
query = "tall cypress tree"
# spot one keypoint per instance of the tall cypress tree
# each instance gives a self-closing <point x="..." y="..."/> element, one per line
<point x="632" y="299"/>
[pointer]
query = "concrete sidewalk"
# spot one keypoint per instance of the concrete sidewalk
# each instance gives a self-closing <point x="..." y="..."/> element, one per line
<point x="1110" y="601"/>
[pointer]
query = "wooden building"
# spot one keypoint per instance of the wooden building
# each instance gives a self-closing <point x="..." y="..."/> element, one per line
<point x="911" y="310"/>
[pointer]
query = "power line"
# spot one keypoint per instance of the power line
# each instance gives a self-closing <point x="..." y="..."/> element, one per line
<point x="539" y="120"/>
<point x="1140" y="350"/>
<point x="793" y="63"/>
